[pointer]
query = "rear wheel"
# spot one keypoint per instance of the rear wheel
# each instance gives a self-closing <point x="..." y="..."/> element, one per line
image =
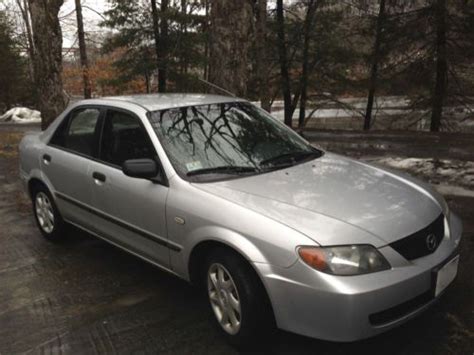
<point x="237" y="298"/>
<point x="48" y="219"/>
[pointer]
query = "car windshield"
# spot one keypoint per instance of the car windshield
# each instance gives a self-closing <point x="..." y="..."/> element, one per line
<point x="227" y="140"/>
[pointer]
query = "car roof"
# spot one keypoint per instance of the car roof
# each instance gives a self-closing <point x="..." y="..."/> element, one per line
<point x="155" y="102"/>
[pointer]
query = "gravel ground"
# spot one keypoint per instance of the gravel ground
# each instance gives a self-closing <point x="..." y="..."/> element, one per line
<point x="85" y="296"/>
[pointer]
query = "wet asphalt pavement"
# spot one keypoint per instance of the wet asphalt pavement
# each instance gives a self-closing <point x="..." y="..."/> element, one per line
<point x="84" y="296"/>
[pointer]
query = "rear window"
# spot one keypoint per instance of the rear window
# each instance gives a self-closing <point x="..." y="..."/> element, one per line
<point x="78" y="132"/>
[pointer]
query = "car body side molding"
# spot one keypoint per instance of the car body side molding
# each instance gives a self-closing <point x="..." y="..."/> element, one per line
<point x="142" y="233"/>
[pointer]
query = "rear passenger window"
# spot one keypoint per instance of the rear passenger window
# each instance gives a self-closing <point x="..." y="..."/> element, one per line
<point x="123" y="138"/>
<point x="80" y="132"/>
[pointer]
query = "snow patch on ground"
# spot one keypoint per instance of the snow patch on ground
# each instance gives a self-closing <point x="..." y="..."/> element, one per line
<point x="356" y="102"/>
<point x="390" y="112"/>
<point x="21" y="115"/>
<point x="450" y="177"/>
<point x="454" y="190"/>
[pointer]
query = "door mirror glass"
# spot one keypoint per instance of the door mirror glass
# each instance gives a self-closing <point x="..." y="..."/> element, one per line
<point x="140" y="168"/>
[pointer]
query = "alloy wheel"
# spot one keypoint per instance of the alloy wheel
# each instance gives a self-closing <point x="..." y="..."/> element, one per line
<point x="224" y="298"/>
<point x="44" y="212"/>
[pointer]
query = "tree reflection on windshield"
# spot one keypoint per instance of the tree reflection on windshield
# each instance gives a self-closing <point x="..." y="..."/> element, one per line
<point x="222" y="135"/>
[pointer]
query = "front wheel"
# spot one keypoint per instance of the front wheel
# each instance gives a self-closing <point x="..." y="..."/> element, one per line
<point x="237" y="298"/>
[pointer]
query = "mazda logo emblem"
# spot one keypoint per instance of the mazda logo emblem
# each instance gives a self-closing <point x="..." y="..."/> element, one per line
<point x="431" y="242"/>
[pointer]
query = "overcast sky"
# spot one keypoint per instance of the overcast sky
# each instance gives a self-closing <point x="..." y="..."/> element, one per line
<point x="91" y="13"/>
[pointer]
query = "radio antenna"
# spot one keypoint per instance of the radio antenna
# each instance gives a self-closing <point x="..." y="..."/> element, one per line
<point x="217" y="87"/>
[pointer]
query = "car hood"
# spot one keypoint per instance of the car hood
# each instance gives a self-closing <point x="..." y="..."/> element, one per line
<point x="325" y="197"/>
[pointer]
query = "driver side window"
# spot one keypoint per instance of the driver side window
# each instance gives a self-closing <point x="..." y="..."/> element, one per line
<point x="124" y="138"/>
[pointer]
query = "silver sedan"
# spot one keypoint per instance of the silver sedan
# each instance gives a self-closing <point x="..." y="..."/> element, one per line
<point x="219" y="193"/>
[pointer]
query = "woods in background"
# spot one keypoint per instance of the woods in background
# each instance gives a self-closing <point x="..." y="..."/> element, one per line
<point x="305" y="52"/>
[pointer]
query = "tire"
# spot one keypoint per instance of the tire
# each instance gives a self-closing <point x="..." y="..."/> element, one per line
<point x="47" y="216"/>
<point x="255" y="321"/>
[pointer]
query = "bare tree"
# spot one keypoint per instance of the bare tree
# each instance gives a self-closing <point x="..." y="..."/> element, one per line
<point x="25" y="15"/>
<point x="231" y="24"/>
<point x="83" y="51"/>
<point x="47" y="38"/>
<point x="291" y="100"/>
<point x="375" y="64"/>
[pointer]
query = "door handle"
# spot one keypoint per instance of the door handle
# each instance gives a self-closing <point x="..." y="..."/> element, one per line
<point x="47" y="159"/>
<point x="98" y="176"/>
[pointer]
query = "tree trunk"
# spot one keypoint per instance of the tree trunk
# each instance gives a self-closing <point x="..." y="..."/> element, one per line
<point x="147" y="81"/>
<point x="156" y="34"/>
<point x="231" y="24"/>
<point x="375" y="65"/>
<point x="206" y="44"/>
<point x="184" y="33"/>
<point x="308" y="26"/>
<point x="83" y="51"/>
<point x="163" y="69"/>
<point x="441" y="66"/>
<point x="262" y="55"/>
<point x="160" y="32"/>
<point x="47" y="38"/>
<point x="282" y="53"/>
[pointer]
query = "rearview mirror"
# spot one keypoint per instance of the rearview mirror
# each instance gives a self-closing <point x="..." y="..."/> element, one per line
<point x="140" y="168"/>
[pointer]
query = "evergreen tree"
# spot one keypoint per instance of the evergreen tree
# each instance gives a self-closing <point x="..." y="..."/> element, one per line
<point x="13" y="78"/>
<point x="158" y="44"/>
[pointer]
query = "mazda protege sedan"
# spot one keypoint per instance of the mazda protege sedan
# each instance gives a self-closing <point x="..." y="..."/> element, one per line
<point x="221" y="194"/>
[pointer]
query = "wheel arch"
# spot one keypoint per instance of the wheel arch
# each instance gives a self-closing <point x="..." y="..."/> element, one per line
<point x="38" y="178"/>
<point x="33" y="183"/>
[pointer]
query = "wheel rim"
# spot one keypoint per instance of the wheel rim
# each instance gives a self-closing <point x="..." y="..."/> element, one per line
<point x="44" y="212"/>
<point x="224" y="298"/>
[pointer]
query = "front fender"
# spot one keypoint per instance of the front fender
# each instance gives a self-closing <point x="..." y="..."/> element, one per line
<point x="206" y="217"/>
<point x="217" y="234"/>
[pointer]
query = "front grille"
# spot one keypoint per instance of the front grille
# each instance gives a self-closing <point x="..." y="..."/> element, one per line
<point x="401" y="310"/>
<point x="423" y="242"/>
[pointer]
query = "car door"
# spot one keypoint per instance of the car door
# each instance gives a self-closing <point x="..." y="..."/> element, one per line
<point x="132" y="210"/>
<point x="65" y="162"/>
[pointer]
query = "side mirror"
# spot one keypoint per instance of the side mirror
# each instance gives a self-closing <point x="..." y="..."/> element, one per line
<point x="140" y="168"/>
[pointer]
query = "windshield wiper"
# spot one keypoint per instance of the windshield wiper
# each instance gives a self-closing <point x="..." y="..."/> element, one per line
<point x="228" y="169"/>
<point x="293" y="157"/>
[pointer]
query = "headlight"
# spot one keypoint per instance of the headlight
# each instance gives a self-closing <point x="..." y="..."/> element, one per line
<point x="344" y="260"/>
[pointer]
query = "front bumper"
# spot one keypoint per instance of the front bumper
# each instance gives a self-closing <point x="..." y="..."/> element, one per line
<point x="349" y="308"/>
